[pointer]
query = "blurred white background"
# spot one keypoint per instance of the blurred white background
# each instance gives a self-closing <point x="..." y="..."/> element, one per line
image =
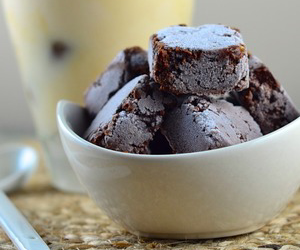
<point x="270" y="30"/>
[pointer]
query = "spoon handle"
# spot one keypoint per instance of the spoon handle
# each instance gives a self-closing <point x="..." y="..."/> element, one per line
<point x="18" y="228"/>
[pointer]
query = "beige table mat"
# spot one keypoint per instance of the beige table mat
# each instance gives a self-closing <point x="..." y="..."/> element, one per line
<point x="72" y="221"/>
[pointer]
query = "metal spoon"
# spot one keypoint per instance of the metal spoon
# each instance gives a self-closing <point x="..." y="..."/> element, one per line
<point x="17" y="162"/>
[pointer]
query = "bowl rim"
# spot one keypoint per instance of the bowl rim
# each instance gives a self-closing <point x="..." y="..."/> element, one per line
<point x="64" y="126"/>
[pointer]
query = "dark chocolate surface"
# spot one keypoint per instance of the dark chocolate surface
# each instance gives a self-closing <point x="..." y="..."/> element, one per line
<point x="130" y="119"/>
<point x="127" y="65"/>
<point x="202" y="123"/>
<point x="209" y="59"/>
<point x="265" y="99"/>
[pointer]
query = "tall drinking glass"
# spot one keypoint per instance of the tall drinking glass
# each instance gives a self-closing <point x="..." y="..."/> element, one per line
<point x="62" y="45"/>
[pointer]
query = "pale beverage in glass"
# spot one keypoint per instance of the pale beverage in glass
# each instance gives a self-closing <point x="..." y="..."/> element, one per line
<point x="62" y="45"/>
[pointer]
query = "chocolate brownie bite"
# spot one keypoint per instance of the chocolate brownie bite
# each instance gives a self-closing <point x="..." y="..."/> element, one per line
<point x="265" y="99"/>
<point x="130" y="119"/>
<point x="209" y="59"/>
<point x="127" y="65"/>
<point x="202" y="123"/>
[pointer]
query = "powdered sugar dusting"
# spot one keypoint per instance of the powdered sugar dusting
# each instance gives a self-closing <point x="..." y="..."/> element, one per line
<point x="205" y="37"/>
<point x="202" y="124"/>
<point x="106" y="114"/>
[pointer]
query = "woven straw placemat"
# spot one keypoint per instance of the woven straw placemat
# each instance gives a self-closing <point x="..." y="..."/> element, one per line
<point x="72" y="221"/>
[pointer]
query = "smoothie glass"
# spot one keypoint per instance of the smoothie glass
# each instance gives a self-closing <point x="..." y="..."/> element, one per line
<point x="62" y="45"/>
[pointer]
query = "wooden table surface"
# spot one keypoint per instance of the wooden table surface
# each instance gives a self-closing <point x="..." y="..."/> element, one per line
<point x="72" y="221"/>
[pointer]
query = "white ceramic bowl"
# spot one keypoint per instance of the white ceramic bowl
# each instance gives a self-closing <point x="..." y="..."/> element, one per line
<point x="216" y="193"/>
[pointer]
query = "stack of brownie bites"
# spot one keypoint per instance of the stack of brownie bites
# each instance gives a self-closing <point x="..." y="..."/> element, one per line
<point x="197" y="88"/>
